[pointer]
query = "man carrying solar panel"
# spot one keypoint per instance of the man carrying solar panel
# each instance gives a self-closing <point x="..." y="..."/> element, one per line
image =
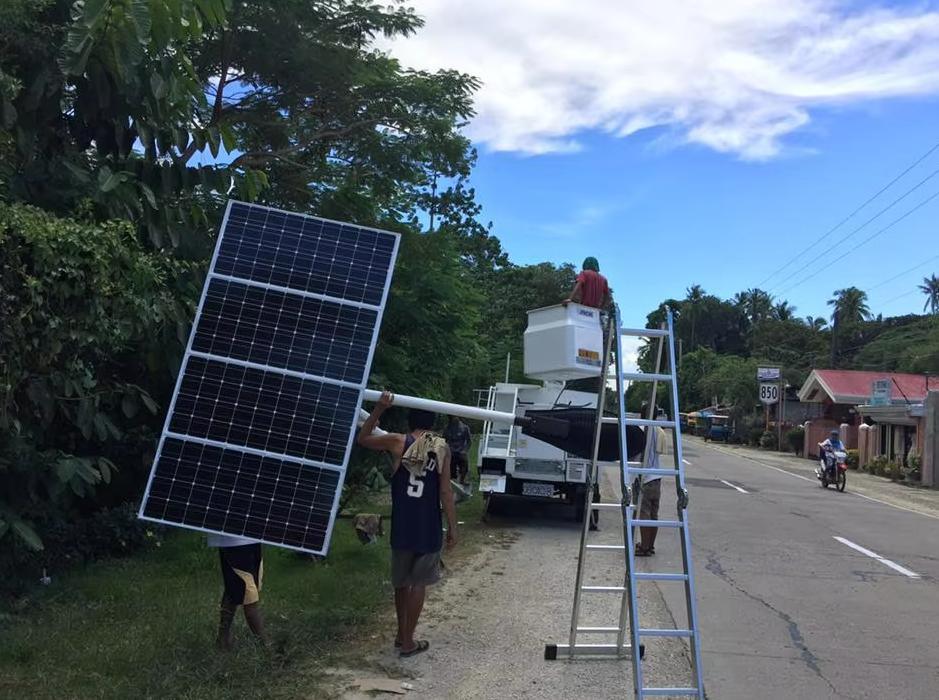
<point x="420" y="485"/>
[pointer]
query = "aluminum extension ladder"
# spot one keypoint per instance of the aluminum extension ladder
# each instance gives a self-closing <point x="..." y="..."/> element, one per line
<point x="631" y="474"/>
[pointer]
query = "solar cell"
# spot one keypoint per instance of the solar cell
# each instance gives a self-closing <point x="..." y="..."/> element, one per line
<point x="257" y="437"/>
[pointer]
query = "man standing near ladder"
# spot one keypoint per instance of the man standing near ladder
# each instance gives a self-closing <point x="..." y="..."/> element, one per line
<point x="651" y="492"/>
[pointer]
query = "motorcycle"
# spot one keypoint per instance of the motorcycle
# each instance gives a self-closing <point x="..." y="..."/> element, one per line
<point x="833" y="469"/>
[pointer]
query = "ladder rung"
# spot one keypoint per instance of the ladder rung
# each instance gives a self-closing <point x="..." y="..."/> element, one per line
<point x="600" y="506"/>
<point x="653" y="471"/>
<point x="555" y="651"/>
<point x="644" y="332"/>
<point x="669" y="691"/>
<point x="665" y="633"/>
<point x="656" y="523"/>
<point x="602" y="589"/>
<point x="599" y="630"/>
<point x="646" y="377"/>
<point x="660" y="577"/>
<point x="641" y="421"/>
<point x="607" y="547"/>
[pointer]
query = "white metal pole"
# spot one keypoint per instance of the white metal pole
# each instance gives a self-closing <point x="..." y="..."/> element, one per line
<point x="508" y="360"/>
<point x="450" y="409"/>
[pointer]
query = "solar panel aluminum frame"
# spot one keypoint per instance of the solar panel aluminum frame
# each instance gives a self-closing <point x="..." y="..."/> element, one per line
<point x="360" y="386"/>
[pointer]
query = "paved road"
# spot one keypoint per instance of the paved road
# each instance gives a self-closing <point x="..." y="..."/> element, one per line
<point x="788" y="611"/>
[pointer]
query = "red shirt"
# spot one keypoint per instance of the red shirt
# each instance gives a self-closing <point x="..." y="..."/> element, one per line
<point x="593" y="288"/>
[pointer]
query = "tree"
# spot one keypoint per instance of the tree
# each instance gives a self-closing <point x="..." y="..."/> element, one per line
<point x="930" y="287"/>
<point x="85" y="314"/>
<point x="158" y="110"/>
<point x="850" y="310"/>
<point x="784" y="311"/>
<point x="755" y="304"/>
<point x="816" y="322"/>
<point x="694" y="295"/>
<point x="850" y="305"/>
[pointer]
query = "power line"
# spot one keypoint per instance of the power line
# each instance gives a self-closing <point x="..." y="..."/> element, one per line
<point x="905" y="272"/>
<point x="851" y="215"/>
<point x="869" y="238"/>
<point x="899" y="296"/>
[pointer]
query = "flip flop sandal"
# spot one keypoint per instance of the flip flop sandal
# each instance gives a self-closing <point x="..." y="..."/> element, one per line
<point x="643" y="552"/>
<point x="421" y="647"/>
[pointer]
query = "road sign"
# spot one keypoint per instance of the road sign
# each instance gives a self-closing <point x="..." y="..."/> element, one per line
<point x="880" y="392"/>
<point x="769" y="393"/>
<point x="767" y="374"/>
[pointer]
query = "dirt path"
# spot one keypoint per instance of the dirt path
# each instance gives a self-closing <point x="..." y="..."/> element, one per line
<point x="489" y="620"/>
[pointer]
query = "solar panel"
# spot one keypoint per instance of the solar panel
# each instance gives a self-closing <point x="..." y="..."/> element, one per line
<point x="257" y="438"/>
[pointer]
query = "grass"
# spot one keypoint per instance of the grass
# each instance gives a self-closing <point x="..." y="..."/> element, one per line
<point x="144" y="627"/>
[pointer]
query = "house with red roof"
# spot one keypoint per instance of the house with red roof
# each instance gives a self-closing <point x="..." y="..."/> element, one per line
<point x="878" y="413"/>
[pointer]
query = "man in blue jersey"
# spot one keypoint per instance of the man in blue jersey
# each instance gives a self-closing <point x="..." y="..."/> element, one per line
<point x="420" y="485"/>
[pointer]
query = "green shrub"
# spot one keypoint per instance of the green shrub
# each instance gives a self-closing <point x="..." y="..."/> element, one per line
<point x="795" y="438"/>
<point x="768" y="440"/>
<point x="108" y="533"/>
<point x="755" y="436"/>
<point x="89" y="319"/>
<point x="853" y="459"/>
<point x="912" y="471"/>
<point x="877" y="465"/>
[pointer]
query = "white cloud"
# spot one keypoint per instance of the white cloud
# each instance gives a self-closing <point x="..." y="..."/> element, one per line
<point x="733" y="75"/>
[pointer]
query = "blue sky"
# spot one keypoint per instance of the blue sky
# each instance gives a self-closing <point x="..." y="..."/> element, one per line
<point x="683" y="142"/>
<point x="726" y="223"/>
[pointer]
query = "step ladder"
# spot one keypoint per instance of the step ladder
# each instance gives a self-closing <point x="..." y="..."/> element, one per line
<point x="631" y="474"/>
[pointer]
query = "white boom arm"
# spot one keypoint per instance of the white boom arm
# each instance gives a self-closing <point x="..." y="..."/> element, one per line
<point x="450" y="409"/>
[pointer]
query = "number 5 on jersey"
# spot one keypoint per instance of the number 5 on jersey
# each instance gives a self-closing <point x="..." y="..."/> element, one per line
<point x="415" y="486"/>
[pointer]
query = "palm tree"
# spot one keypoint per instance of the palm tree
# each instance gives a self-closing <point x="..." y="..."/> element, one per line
<point x="784" y="311"/>
<point x="816" y="322"/>
<point x="930" y="287"/>
<point x="756" y="304"/>
<point x="850" y="306"/>
<point x="694" y="295"/>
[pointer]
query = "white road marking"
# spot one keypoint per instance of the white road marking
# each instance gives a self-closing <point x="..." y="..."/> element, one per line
<point x="734" y="486"/>
<point x="785" y="471"/>
<point x="686" y="461"/>
<point x="882" y="560"/>
<point x="893" y="505"/>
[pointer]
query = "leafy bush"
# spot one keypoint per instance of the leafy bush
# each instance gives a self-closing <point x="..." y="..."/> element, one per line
<point x="85" y="313"/>
<point x="114" y="532"/>
<point x="795" y="438"/>
<point x="912" y="471"/>
<point x="755" y="437"/>
<point x="891" y="470"/>
<point x="768" y="440"/>
<point x="853" y="459"/>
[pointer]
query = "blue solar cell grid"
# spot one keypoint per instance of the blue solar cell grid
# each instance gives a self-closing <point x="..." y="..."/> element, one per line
<point x="257" y="438"/>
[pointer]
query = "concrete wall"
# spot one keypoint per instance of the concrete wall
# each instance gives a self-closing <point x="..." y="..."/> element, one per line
<point x="930" y="453"/>
<point x="817" y="431"/>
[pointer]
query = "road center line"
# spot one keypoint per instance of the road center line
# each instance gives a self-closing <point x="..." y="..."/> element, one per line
<point x="882" y="560"/>
<point x="734" y="486"/>
<point x="786" y="471"/>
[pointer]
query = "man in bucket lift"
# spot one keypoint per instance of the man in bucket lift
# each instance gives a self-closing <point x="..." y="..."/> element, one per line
<point x="591" y="288"/>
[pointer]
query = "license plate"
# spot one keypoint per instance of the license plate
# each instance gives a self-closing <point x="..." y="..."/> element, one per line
<point x="534" y="488"/>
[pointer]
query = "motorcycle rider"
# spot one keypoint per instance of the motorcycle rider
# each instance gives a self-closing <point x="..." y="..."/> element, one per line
<point x="827" y="449"/>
